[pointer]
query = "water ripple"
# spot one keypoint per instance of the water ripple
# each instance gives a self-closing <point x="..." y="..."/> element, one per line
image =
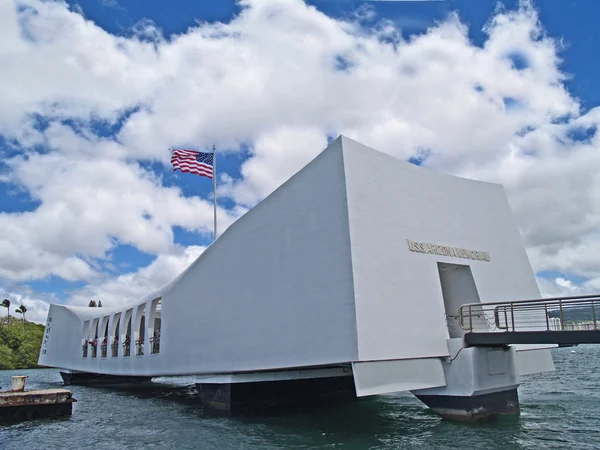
<point x="559" y="410"/>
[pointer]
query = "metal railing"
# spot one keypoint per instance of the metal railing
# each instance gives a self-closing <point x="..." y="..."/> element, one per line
<point x="549" y="314"/>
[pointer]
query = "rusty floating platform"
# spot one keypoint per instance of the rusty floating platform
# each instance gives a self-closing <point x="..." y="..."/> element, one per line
<point x="29" y="405"/>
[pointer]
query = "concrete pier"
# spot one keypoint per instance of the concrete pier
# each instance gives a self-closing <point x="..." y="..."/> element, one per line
<point x="29" y="405"/>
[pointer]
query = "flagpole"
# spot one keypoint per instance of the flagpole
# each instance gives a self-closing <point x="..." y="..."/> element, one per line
<point x="215" y="191"/>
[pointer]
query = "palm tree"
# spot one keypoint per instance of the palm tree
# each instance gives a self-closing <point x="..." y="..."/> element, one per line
<point x="22" y="310"/>
<point x="6" y="303"/>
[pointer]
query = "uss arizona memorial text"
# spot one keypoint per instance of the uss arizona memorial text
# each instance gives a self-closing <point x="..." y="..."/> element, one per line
<point x="424" y="247"/>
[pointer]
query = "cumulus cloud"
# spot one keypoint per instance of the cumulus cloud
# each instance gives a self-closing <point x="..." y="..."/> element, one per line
<point x="111" y="290"/>
<point x="133" y="286"/>
<point x="37" y="309"/>
<point x="278" y="80"/>
<point x="87" y="206"/>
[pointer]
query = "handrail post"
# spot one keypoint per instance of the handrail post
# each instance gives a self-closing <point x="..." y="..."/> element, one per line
<point x="470" y="319"/>
<point x="505" y="319"/>
<point x="512" y="316"/>
<point x="594" y="314"/>
<point x="562" y="322"/>
<point x="547" y="321"/>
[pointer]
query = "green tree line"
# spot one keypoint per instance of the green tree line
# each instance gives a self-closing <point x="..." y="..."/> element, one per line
<point x="578" y="314"/>
<point x="20" y="340"/>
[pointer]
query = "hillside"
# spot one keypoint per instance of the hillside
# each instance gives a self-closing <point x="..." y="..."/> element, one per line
<point x="578" y="314"/>
<point x="19" y="343"/>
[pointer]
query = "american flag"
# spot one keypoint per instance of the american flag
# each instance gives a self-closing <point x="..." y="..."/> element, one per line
<point x="199" y="163"/>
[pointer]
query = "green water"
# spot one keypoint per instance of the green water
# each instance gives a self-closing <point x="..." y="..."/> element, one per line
<point x="559" y="410"/>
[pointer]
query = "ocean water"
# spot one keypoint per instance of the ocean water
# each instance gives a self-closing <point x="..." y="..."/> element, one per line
<point x="558" y="410"/>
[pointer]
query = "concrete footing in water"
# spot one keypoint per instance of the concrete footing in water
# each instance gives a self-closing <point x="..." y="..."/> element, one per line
<point x="481" y="384"/>
<point x="475" y="408"/>
<point x="89" y="378"/>
<point x="231" y="398"/>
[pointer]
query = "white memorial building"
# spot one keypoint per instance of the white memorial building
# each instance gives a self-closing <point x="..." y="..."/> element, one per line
<point x="345" y="281"/>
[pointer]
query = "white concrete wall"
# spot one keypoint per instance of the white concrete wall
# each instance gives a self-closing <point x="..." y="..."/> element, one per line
<point x="399" y="305"/>
<point x="383" y="377"/>
<point x="534" y="361"/>
<point x="477" y="371"/>
<point x="62" y="337"/>
<point x="276" y="290"/>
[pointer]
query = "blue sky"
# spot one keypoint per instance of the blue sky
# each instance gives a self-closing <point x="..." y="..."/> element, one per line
<point x="80" y="123"/>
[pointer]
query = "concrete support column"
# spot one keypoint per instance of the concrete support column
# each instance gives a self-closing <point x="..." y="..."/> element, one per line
<point x="481" y="383"/>
<point x="216" y="398"/>
<point x="230" y="398"/>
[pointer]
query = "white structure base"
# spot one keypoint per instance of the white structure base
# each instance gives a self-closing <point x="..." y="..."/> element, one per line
<point x="241" y="392"/>
<point x="481" y="383"/>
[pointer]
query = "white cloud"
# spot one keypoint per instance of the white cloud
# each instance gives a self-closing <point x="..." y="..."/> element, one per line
<point x="563" y="287"/>
<point x="37" y="309"/>
<point x="121" y="289"/>
<point x="88" y="204"/>
<point x="275" y="157"/>
<point x="135" y="285"/>
<point x="280" y="77"/>
<point x="565" y="284"/>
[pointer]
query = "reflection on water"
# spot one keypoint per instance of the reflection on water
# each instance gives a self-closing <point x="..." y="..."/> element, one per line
<point x="559" y="410"/>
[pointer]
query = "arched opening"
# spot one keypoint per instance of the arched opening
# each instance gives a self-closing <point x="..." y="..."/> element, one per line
<point x="155" y="323"/>
<point x="104" y="344"/>
<point x="127" y="338"/>
<point x="94" y="338"/>
<point x="84" y="339"/>
<point x="114" y="346"/>
<point x="140" y="330"/>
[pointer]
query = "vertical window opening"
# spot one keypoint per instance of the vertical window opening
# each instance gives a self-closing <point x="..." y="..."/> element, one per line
<point x="94" y="338"/>
<point x="114" y="346"/>
<point x="141" y="328"/>
<point x="104" y="344"/>
<point x="155" y="326"/>
<point x="84" y="339"/>
<point x="127" y="339"/>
